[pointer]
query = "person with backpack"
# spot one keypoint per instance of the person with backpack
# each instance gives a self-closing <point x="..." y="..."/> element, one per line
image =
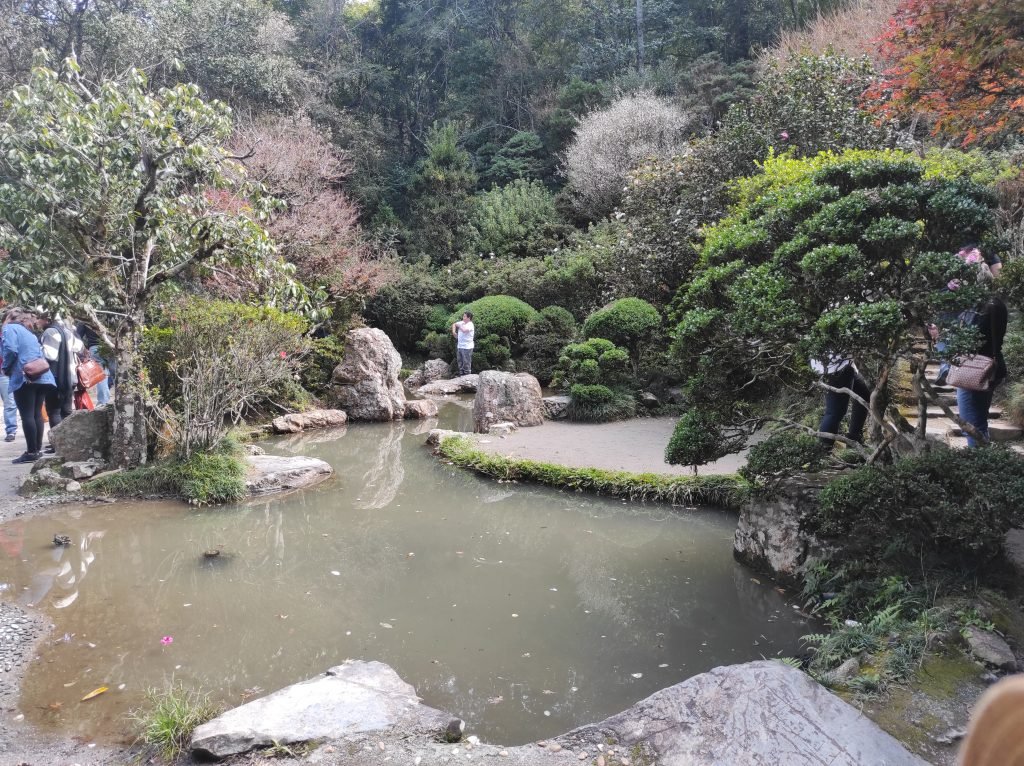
<point x="31" y="379"/>
<point x="61" y="347"/>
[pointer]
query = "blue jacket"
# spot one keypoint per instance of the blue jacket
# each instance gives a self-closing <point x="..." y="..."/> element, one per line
<point x="21" y="346"/>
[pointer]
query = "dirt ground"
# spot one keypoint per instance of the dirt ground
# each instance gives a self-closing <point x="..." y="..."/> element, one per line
<point x="637" y="446"/>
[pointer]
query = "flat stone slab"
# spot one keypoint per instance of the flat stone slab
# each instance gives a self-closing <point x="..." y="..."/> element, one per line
<point x="274" y="473"/>
<point x="348" y="699"/>
<point x="758" y="714"/>
<point x="464" y="384"/>
<point x="295" y="422"/>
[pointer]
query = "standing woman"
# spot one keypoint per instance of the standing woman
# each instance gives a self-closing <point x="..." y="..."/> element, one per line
<point x="61" y="347"/>
<point x="31" y="379"/>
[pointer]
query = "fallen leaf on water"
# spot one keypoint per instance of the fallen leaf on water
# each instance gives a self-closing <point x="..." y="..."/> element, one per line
<point x="495" y="700"/>
<point x="70" y="684"/>
<point x="94" y="693"/>
<point x="385" y="625"/>
<point x="282" y="617"/>
<point x="54" y="706"/>
<point x="755" y="581"/>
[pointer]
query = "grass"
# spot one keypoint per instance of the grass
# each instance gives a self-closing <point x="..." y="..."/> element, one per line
<point x="169" y="716"/>
<point x="726" y="491"/>
<point x="202" y="479"/>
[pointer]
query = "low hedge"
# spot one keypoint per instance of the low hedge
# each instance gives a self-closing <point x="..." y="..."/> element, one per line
<point x="725" y="491"/>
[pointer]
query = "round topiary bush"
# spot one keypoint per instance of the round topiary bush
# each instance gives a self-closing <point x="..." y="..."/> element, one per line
<point x="599" y="404"/>
<point x="627" y="322"/>
<point x="500" y="315"/>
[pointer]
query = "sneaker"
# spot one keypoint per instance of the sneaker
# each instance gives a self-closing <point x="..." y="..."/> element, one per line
<point x="26" y="457"/>
<point x="49" y="450"/>
<point x="9" y="438"/>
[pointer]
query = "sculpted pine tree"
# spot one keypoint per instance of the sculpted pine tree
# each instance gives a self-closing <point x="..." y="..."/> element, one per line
<point x="109" y="192"/>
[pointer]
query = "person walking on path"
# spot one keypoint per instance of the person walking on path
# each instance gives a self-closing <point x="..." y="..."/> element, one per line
<point x="20" y="349"/>
<point x="91" y="339"/>
<point x="990" y="322"/>
<point x="463" y="332"/>
<point x="10" y="408"/>
<point x="61" y="347"/>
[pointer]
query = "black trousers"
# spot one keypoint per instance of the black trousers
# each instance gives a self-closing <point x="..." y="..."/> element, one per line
<point x="836" y="405"/>
<point x="30" y="399"/>
<point x="59" y="404"/>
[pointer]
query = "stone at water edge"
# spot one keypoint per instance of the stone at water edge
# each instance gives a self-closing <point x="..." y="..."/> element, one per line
<point x="437" y="435"/>
<point x="507" y="397"/>
<point x="464" y="384"/>
<point x="353" y="698"/>
<point x="273" y="473"/>
<point x="296" y="422"/>
<point x="428" y="372"/>
<point x="420" y="409"/>
<point x="990" y="648"/>
<point x="649" y="400"/>
<point x="366" y="381"/>
<point x="502" y="429"/>
<point x="84" y="435"/>
<point x="756" y="713"/>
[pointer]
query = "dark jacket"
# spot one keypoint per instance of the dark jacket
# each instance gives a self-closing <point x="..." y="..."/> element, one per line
<point x="991" y="320"/>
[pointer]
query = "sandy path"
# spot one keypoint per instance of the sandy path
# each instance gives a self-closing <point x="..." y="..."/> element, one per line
<point x="636" y="445"/>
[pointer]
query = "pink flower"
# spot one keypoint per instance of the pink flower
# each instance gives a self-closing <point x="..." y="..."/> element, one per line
<point x="784" y="135"/>
<point x="971" y="255"/>
<point x="283" y="354"/>
<point x="954" y="284"/>
<point x="167" y="640"/>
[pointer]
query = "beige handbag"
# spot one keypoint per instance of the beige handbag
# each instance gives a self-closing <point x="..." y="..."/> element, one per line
<point x="974" y="373"/>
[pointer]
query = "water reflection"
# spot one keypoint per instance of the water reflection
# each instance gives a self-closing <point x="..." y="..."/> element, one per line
<point x="525" y="610"/>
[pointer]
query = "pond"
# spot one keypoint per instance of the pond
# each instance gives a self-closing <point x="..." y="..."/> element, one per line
<point x="526" y="611"/>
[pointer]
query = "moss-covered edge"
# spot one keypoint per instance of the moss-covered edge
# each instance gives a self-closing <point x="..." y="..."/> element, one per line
<point x="724" y="491"/>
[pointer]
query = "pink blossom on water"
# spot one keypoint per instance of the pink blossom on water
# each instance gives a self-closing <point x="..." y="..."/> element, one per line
<point x="167" y="640"/>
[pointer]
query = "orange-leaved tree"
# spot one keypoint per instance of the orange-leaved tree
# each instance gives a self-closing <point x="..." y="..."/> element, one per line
<point x="959" y="63"/>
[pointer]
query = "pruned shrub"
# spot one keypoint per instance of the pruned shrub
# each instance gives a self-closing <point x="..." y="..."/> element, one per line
<point x="948" y="508"/>
<point x="594" y="361"/>
<point x="599" y="404"/>
<point x="518" y="220"/>
<point x="608" y="143"/>
<point x="628" y="322"/>
<point x="214" y="360"/>
<point x="699" y="436"/>
<point x="546" y="336"/>
<point x="781" y="455"/>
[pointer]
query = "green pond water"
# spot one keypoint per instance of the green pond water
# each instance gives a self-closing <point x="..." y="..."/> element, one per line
<point x="524" y="610"/>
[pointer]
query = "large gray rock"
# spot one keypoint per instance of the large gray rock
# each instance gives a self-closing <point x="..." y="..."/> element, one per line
<point x="273" y="473"/>
<point x="507" y="397"/>
<point x="556" y="407"/>
<point x="84" y="435"/>
<point x="295" y="422"/>
<point x="990" y="648"/>
<point x="367" y="378"/>
<point x="428" y="372"/>
<point x="438" y="435"/>
<point x="420" y="409"/>
<point x="756" y="714"/>
<point x="464" y="384"/>
<point x="349" y="699"/>
<point x="769" y="535"/>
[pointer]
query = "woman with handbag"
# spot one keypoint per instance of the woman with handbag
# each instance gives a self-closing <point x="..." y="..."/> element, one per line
<point x="31" y="379"/>
<point x="975" y="377"/>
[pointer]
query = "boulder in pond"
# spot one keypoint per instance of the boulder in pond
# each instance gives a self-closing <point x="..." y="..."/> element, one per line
<point x="438" y="435"/>
<point x="273" y="473"/>
<point x="420" y="409"/>
<point x="464" y="384"/>
<point x="295" y="422"/>
<point x="84" y="435"/>
<point x="350" y="699"/>
<point x="428" y="372"/>
<point x="366" y="381"/>
<point x="506" y="397"/>
<point x="756" y="713"/>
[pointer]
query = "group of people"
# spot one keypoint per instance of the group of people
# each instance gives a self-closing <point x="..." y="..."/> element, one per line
<point x="989" y="319"/>
<point x="39" y="374"/>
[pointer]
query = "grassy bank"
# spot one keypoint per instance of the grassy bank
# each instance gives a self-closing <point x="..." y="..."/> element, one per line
<point x="726" y="491"/>
<point x="202" y="479"/>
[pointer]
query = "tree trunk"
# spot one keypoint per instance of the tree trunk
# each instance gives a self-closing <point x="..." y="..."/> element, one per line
<point x="128" y="445"/>
<point x="640" y="35"/>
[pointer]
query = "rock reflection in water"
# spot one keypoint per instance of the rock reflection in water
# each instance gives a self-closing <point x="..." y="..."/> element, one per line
<point x="526" y="611"/>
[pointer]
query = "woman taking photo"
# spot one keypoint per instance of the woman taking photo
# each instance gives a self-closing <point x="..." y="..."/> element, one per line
<point x="30" y="376"/>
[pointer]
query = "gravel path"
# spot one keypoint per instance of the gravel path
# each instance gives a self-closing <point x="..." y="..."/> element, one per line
<point x="637" y="446"/>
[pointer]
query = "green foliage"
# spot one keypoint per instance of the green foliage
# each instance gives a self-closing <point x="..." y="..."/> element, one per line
<point x="628" y="322"/>
<point x="409" y="305"/>
<point x="518" y="220"/>
<point x="946" y="509"/>
<point x="203" y="478"/>
<point x="592" y="362"/>
<point x="546" y="336"/>
<point x="847" y="255"/>
<point x="520" y="158"/>
<point x="441" y="189"/>
<point x="596" y="403"/>
<point x="169" y="716"/>
<point x="780" y="455"/>
<point x="318" y="367"/>
<point x="699" y="437"/>
<point x="723" y="491"/>
<point x="500" y="322"/>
